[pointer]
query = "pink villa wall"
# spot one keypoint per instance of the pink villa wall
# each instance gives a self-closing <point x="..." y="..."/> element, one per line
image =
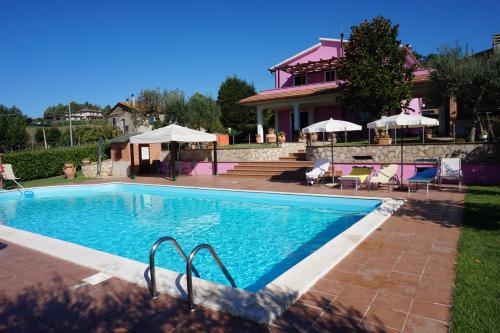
<point x="284" y="123"/>
<point x="326" y="50"/>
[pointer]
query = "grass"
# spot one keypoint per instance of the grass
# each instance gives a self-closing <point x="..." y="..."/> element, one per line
<point x="476" y="299"/>
<point x="58" y="180"/>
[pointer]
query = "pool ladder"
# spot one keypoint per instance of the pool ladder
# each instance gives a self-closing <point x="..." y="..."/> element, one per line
<point x="190" y="269"/>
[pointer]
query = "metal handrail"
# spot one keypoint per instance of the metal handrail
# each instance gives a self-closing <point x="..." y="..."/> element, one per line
<point x="152" y="268"/>
<point x="189" y="273"/>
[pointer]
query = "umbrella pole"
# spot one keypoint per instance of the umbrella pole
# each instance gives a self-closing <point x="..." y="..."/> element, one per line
<point x="345" y="135"/>
<point x="369" y="136"/>
<point x="331" y="152"/>
<point x="173" y="150"/>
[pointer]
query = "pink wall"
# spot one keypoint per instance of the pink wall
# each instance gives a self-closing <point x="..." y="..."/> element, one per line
<point x="414" y="107"/>
<point x="284" y="123"/>
<point x="330" y="111"/>
<point x="205" y="168"/>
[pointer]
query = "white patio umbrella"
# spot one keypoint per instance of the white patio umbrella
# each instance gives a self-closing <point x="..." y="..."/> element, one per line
<point x="330" y="126"/>
<point x="403" y="120"/>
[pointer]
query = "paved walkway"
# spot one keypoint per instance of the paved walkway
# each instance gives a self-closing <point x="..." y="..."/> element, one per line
<point x="399" y="279"/>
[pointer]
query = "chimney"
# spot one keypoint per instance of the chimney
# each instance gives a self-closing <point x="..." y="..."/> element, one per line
<point x="132" y="99"/>
<point x="496" y="44"/>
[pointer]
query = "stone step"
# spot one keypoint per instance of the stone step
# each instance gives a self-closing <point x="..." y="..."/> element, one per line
<point x="269" y="168"/>
<point x="278" y="164"/>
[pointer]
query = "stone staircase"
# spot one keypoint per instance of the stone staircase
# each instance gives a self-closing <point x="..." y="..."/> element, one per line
<point x="291" y="167"/>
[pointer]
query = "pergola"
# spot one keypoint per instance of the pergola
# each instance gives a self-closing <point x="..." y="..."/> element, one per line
<point x="310" y="66"/>
<point x="174" y="134"/>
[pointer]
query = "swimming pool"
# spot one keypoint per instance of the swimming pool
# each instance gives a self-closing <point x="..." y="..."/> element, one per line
<point x="275" y="245"/>
<point x="258" y="236"/>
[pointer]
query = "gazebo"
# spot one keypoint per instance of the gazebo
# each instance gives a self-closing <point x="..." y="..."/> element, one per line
<point x="174" y="134"/>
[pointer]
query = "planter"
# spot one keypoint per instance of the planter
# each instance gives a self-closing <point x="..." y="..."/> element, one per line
<point x="258" y="138"/>
<point x="428" y="136"/>
<point x="85" y="161"/>
<point x="314" y="137"/>
<point x="384" y="141"/>
<point x="271" y="136"/>
<point x="69" y="170"/>
<point x="281" y="138"/>
<point x="483" y="136"/>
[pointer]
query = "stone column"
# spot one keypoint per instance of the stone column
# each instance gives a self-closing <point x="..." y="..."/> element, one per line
<point x="260" y="123"/>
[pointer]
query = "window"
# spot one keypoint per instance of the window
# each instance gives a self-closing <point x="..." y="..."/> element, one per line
<point x="330" y="76"/>
<point x="113" y="121"/>
<point x="299" y="80"/>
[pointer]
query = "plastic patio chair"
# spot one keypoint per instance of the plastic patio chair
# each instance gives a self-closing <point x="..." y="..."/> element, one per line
<point x="424" y="175"/>
<point x="384" y="176"/>
<point x="318" y="172"/>
<point x="450" y="169"/>
<point x="358" y="175"/>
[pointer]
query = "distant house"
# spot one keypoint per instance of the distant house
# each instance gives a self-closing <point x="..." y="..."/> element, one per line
<point x="85" y="114"/>
<point x="122" y="118"/>
<point x="307" y="91"/>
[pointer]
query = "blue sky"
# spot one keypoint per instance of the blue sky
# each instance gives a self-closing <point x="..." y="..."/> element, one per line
<point x="102" y="51"/>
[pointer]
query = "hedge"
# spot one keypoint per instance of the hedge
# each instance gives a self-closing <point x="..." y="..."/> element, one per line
<point x="36" y="164"/>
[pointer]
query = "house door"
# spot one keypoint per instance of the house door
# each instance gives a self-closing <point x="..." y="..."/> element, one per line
<point x="303" y="121"/>
<point x="144" y="164"/>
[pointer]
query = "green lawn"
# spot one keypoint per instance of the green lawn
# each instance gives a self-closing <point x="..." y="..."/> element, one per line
<point x="476" y="299"/>
<point x="58" y="180"/>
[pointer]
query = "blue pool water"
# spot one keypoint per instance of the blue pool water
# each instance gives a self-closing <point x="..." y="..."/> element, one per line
<point x="258" y="236"/>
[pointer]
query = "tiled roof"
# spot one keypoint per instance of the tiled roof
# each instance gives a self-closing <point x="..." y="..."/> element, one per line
<point x="310" y="90"/>
<point x="285" y="93"/>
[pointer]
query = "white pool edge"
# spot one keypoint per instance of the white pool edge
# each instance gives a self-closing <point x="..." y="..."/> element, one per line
<point x="263" y="306"/>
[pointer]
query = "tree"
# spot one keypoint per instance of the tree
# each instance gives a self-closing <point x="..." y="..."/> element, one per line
<point x="61" y="110"/>
<point x="240" y="118"/>
<point x="374" y="72"/>
<point x="174" y="107"/>
<point x="52" y="135"/>
<point x="202" y="112"/>
<point x="473" y="80"/>
<point x="150" y="107"/>
<point x="12" y="126"/>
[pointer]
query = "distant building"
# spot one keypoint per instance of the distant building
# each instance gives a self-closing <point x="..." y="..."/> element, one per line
<point x="122" y="117"/>
<point x="85" y="114"/>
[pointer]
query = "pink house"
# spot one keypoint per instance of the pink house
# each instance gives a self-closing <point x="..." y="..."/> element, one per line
<point x="306" y="90"/>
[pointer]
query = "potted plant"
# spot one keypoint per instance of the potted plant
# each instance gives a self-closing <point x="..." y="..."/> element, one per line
<point x="302" y="137"/>
<point x="384" y="138"/>
<point x="69" y="170"/>
<point x="314" y="137"/>
<point x="281" y="137"/>
<point x="333" y="137"/>
<point x="483" y="135"/>
<point x="271" y="136"/>
<point x="428" y="133"/>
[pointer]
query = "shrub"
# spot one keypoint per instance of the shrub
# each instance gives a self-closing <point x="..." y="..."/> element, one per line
<point x="37" y="164"/>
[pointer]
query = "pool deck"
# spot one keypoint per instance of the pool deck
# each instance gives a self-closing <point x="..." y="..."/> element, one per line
<point x="399" y="279"/>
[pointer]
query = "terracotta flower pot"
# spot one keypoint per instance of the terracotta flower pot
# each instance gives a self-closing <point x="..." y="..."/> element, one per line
<point x="314" y="137"/>
<point x="258" y="138"/>
<point x="69" y="170"/>
<point x="281" y="138"/>
<point x="384" y="141"/>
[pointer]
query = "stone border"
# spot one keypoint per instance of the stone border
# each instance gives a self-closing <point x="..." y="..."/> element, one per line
<point x="263" y="306"/>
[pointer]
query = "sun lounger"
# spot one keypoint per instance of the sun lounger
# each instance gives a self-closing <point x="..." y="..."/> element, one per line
<point x="8" y="174"/>
<point x="358" y="175"/>
<point x="318" y="172"/>
<point x="384" y="176"/>
<point x="423" y="176"/>
<point x="450" y="169"/>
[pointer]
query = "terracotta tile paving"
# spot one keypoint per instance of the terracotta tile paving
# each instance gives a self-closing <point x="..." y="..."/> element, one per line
<point x="400" y="279"/>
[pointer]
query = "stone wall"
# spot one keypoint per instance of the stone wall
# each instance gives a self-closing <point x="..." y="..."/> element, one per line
<point x="468" y="152"/>
<point x="241" y="154"/>
<point x="90" y="170"/>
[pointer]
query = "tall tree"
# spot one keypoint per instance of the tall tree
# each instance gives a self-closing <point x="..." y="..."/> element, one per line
<point x="374" y="72"/>
<point x="241" y="119"/>
<point x="12" y="126"/>
<point x="174" y="105"/>
<point x="202" y="112"/>
<point x="150" y="107"/>
<point x="473" y="80"/>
